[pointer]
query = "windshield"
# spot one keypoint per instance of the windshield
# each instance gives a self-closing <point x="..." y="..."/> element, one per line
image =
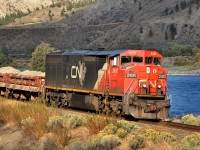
<point x="157" y="61"/>
<point x="148" y="60"/>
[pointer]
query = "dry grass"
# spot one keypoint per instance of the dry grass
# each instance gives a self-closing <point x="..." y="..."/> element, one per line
<point x="96" y="123"/>
<point x="61" y="136"/>
<point x="33" y="117"/>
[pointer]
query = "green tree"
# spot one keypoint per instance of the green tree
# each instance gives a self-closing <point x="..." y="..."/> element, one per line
<point x="53" y="4"/>
<point x="173" y="30"/>
<point x="150" y="33"/>
<point x="29" y="11"/>
<point x="69" y="6"/>
<point x="4" y="59"/>
<point x="140" y="6"/>
<point x="62" y="13"/>
<point x="166" y="35"/>
<point x="198" y="44"/>
<point x="183" y="5"/>
<point x="11" y="17"/>
<point x="39" y="56"/>
<point x="166" y="11"/>
<point x="141" y="30"/>
<point x="190" y="9"/>
<point x="176" y="8"/>
<point x="50" y="15"/>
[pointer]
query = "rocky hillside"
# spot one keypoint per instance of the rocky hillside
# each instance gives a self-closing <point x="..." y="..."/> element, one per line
<point x="112" y="24"/>
<point x="11" y="6"/>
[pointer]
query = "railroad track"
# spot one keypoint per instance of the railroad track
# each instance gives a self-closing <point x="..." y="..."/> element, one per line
<point x="173" y="125"/>
<point x="168" y="124"/>
<point x="187" y="127"/>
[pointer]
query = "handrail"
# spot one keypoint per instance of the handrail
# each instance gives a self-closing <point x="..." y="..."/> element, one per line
<point x="130" y="87"/>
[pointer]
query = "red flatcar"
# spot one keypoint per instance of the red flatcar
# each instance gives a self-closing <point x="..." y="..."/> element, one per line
<point x="21" y="86"/>
<point x="130" y="82"/>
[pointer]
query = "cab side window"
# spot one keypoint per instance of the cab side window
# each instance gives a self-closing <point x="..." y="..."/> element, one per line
<point x="125" y="60"/>
<point x="114" y="61"/>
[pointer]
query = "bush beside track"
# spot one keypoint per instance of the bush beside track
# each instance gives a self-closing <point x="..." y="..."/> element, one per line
<point x="76" y="131"/>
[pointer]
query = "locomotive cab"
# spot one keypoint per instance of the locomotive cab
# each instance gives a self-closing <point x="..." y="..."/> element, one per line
<point x="143" y="82"/>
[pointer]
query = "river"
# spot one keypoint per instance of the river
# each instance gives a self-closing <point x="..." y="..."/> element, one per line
<point x="185" y="95"/>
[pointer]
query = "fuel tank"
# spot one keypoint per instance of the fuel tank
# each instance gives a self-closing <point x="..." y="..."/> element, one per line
<point x="89" y="102"/>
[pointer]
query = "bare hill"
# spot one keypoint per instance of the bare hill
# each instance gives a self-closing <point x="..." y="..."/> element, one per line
<point x="11" y="6"/>
<point x="112" y="24"/>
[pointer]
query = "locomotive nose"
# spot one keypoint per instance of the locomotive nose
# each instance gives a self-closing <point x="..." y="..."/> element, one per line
<point x="153" y="82"/>
<point x="153" y="79"/>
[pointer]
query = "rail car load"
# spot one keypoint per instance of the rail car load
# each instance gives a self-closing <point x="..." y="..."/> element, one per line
<point x="130" y="82"/>
<point x="18" y="86"/>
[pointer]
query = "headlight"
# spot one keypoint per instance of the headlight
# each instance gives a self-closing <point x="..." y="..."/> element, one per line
<point x="162" y="76"/>
<point x="144" y="85"/>
<point x="148" y="70"/>
<point x="159" y="86"/>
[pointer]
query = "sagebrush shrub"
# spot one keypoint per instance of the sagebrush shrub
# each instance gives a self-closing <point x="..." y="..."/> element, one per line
<point x="90" y="145"/>
<point x="110" y="129"/>
<point x="167" y="137"/>
<point x="136" y="142"/>
<point x="149" y="134"/>
<point x="72" y="121"/>
<point x="121" y="133"/>
<point x="54" y="121"/>
<point x="155" y="136"/>
<point x="75" y="122"/>
<point x="28" y="126"/>
<point x="78" y="145"/>
<point x="109" y="142"/>
<point x="28" y="122"/>
<point x="190" y="119"/>
<point x="125" y="125"/>
<point x="191" y="142"/>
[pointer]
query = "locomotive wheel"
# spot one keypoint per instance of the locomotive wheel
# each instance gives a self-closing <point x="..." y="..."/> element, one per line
<point x="116" y="106"/>
<point x="104" y="107"/>
<point x="8" y="94"/>
<point x="110" y="106"/>
<point x="107" y="110"/>
<point x="47" y="101"/>
<point x="55" y="103"/>
<point x="65" y="103"/>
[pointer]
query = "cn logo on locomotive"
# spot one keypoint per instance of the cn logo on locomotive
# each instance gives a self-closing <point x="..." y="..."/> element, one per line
<point x="79" y="71"/>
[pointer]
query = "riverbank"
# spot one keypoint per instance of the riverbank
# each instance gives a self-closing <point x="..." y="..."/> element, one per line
<point x="183" y="70"/>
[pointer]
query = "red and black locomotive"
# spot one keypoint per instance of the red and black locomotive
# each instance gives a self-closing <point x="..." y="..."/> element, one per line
<point x="130" y="82"/>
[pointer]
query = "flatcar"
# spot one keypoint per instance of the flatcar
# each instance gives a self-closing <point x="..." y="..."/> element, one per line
<point x="129" y="82"/>
<point x="14" y="85"/>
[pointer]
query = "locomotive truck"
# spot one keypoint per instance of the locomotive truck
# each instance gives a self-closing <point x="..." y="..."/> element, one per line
<point x="130" y="82"/>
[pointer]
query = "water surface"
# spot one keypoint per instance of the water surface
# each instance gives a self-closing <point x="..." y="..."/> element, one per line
<point x="185" y="95"/>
